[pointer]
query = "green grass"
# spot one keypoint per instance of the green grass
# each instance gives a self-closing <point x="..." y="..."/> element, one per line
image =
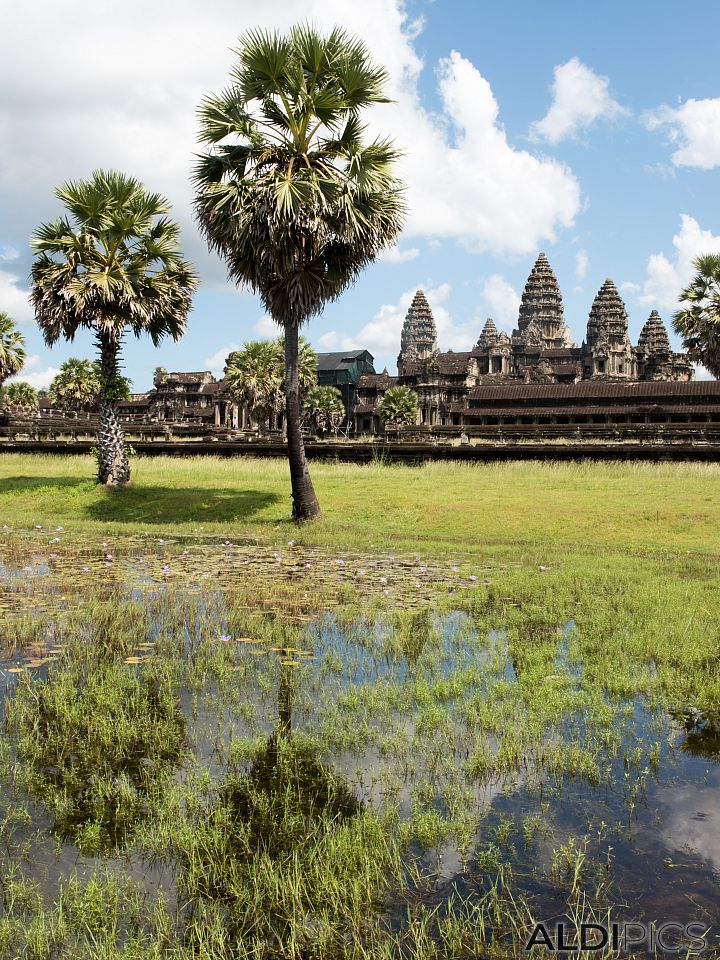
<point x="439" y="508"/>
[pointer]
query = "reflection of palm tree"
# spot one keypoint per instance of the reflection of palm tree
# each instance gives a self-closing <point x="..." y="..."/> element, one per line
<point x="702" y="732"/>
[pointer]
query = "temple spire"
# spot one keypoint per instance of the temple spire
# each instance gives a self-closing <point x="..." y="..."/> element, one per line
<point x="542" y="305"/>
<point x="608" y="317"/>
<point x="418" y="340"/>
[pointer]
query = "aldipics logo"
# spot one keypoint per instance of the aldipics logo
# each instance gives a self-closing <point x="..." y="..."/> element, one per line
<point x="669" y="937"/>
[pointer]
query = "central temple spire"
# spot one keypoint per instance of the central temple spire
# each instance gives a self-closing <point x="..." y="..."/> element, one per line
<point x="541" y="307"/>
<point x="418" y="340"/>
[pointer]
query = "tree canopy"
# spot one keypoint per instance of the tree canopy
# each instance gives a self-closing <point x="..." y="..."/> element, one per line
<point x="698" y="322"/>
<point x="399" y="405"/>
<point x="12" y="348"/>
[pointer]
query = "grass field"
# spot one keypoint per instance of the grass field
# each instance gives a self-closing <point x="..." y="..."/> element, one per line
<point x="467" y="698"/>
<point x="659" y="509"/>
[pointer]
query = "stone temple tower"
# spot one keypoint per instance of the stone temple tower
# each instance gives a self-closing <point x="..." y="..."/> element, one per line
<point x="418" y="340"/>
<point x="541" y="309"/>
<point x="608" y="352"/>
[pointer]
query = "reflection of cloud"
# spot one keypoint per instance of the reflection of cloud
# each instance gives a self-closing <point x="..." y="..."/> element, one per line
<point x="693" y="819"/>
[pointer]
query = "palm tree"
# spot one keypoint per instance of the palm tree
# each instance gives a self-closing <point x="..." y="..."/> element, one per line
<point x="21" y="395"/>
<point x="76" y="387"/>
<point x="399" y="405"/>
<point x="255" y="375"/>
<point x="12" y="348"/>
<point x="699" y="322"/>
<point x="290" y="194"/>
<point x="114" y="266"/>
<point x="325" y="408"/>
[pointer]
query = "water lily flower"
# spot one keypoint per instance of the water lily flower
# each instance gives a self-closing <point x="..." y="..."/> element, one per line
<point x="166" y="569"/>
<point x="455" y="569"/>
<point x="226" y="638"/>
<point x="472" y="577"/>
<point x="59" y="529"/>
<point x="361" y="573"/>
<point x="383" y="580"/>
<point x="38" y="526"/>
<point x="55" y="540"/>
<point x="85" y="569"/>
<point x="291" y="543"/>
<point x="108" y="556"/>
<point x="340" y="563"/>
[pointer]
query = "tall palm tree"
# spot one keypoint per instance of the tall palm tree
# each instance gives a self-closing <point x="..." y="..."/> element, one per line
<point x="114" y="266"/>
<point x="288" y="191"/>
<point x="12" y="348"/>
<point x="699" y="322"/>
<point x="76" y="386"/>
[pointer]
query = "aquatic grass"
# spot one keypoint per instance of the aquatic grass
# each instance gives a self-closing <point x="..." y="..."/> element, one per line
<point x="95" y="748"/>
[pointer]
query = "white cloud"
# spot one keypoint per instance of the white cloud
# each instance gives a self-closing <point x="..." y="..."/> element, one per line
<point x="267" y="328"/>
<point x="667" y="276"/>
<point x="500" y="301"/>
<point x="695" y="128"/>
<point x="580" y="97"/>
<point x="465" y="181"/>
<point x="701" y="373"/>
<point x="397" y="255"/>
<point x="216" y="362"/>
<point x="582" y="262"/>
<point x="35" y="373"/>
<point x="14" y="298"/>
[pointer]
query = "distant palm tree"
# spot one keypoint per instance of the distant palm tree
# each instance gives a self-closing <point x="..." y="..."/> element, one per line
<point x="255" y="375"/>
<point x="12" y="348"/>
<point x="399" y="405"/>
<point x="325" y="408"/>
<point x="76" y="386"/>
<point x="115" y="266"/>
<point x="21" y="395"/>
<point x="290" y="194"/>
<point x="699" y="322"/>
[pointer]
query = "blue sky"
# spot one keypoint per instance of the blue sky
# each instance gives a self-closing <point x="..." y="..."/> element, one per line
<point x="591" y="132"/>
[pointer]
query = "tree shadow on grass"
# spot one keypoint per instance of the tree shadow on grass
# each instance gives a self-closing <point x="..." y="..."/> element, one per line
<point x="162" y="505"/>
<point x="148" y="504"/>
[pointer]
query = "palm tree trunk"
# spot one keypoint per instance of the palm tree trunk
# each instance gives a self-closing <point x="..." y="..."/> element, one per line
<point x="305" y="503"/>
<point x="113" y="466"/>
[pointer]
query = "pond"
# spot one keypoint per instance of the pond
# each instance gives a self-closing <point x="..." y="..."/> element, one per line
<point x="246" y="751"/>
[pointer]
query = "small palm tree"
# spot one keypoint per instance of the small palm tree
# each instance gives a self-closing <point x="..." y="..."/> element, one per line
<point x="325" y="409"/>
<point x="76" y="387"/>
<point x="399" y="405"/>
<point x="699" y="322"/>
<point x="12" y="348"/>
<point x="254" y="377"/>
<point x="114" y="266"/>
<point x="290" y="194"/>
<point x="22" y="396"/>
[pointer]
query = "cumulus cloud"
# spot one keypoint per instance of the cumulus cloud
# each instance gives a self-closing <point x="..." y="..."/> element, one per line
<point x="14" y="296"/>
<point x="500" y="301"/>
<point x="465" y="180"/>
<point x="582" y="262"/>
<point x="695" y="128"/>
<point x="36" y="373"/>
<point x="267" y="328"/>
<point x="668" y="275"/>
<point x="399" y="255"/>
<point x="216" y="362"/>
<point x="580" y="98"/>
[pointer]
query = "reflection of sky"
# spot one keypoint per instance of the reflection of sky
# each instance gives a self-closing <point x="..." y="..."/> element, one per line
<point x="691" y="818"/>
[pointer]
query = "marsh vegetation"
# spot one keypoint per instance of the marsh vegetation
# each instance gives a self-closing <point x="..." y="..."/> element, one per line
<point x="250" y="743"/>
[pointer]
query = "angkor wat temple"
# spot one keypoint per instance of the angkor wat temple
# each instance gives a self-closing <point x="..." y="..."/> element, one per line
<point x="500" y="376"/>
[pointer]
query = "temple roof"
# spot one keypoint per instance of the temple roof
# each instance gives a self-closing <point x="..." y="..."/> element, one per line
<point x="419" y="334"/>
<point x="654" y="341"/>
<point x="616" y="389"/>
<point x="607" y="314"/>
<point x="541" y="299"/>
